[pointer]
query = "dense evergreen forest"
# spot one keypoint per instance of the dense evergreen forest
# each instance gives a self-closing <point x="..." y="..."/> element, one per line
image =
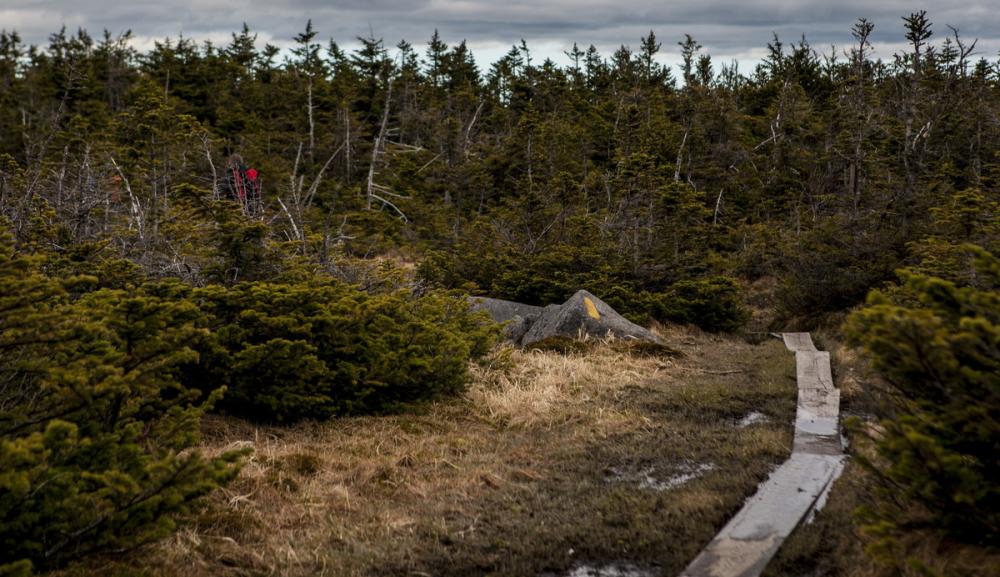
<point x="387" y="176"/>
<point x="525" y="180"/>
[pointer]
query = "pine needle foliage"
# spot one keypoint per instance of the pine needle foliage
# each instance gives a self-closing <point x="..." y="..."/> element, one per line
<point x="937" y="344"/>
<point x="317" y="349"/>
<point x="96" y="433"/>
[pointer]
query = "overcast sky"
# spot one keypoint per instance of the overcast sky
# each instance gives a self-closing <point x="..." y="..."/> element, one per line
<point x="730" y="29"/>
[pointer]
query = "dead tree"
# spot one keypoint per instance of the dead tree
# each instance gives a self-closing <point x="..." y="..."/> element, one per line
<point x="377" y="191"/>
<point x="301" y="198"/>
<point x="137" y="217"/>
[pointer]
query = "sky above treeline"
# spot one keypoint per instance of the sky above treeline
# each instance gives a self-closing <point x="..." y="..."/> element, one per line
<point x="728" y="30"/>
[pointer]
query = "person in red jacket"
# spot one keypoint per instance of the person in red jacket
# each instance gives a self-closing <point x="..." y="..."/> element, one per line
<point x="251" y="187"/>
<point x="243" y="183"/>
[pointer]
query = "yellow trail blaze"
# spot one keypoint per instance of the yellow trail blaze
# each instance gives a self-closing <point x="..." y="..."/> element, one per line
<point x="591" y="309"/>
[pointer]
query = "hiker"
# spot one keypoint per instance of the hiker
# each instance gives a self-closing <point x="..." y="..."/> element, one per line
<point x="242" y="183"/>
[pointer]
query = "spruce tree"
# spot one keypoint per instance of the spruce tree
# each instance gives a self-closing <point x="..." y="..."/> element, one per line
<point x="937" y="344"/>
<point x="96" y="434"/>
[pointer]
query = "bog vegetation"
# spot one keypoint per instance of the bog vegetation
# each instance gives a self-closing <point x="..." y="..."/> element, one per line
<point x="149" y="275"/>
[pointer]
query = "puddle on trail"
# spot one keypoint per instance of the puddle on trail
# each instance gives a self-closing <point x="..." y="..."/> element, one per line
<point x="650" y="478"/>
<point x="752" y="418"/>
<point x="611" y="570"/>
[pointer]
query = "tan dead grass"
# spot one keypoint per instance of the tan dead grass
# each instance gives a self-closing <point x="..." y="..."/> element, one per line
<point x="545" y="389"/>
<point x="499" y="477"/>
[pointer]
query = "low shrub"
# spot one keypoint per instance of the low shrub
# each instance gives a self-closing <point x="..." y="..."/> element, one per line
<point x="937" y="344"/>
<point x="832" y="267"/>
<point x="97" y="436"/>
<point x="313" y="350"/>
<point x="552" y="276"/>
<point x="102" y="389"/>
<point x="711" y="303"/>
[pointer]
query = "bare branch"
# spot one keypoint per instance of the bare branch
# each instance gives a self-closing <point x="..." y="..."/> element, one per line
<point x="680" y="155"/>
<point x="429" y="162"/>
<point x="319" y="176"/>
<point x="379" y="146"/>
<point x="291" y="219"/>
<point x="136" y="208"/>
<point x="208" y="155"/>
<point x="468" y="130"/>
<point x="391" y="205"/>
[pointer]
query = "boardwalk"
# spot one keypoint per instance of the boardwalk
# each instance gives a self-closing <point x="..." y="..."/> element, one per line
<point x="745" y="545"/>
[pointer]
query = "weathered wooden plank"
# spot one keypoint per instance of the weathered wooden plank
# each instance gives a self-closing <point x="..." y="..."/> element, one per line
<point x="751" y="538"/>
<point x="812" y="370"/>
<point x="798" y="341"/>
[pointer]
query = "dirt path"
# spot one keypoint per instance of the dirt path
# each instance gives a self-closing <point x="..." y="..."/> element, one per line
<point x="749" y="541"/>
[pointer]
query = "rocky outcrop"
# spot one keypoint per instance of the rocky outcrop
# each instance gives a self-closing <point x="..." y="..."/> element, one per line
<point x="516" y="317"/>
<point x="582" y="315"/>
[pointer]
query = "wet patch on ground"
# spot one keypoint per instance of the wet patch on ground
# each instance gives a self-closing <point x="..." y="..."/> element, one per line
<point x="662" y="478"/>
<point x="752" y="418"/>
<point x="609" y="570"/>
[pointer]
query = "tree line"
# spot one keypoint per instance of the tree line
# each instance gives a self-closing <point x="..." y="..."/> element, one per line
<point x="525" y="180"/>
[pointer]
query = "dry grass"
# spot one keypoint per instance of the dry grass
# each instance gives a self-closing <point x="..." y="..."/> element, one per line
<point x="544" y="389"/>
<point x="512" y="479"/>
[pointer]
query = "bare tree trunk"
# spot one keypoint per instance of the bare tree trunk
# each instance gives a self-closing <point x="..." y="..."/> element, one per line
<point x="531" y="181"/>
<point x="379" y="146"/>
<point x="468" y="130"/>
<point x="291" y="219"/>
<point x="211" y="163"/>
<point x="319" y="177"/>
<point x="312" y="123"/>
<point x="138" y="217"/>
<point x="680" y="155"/>
<point x="61" y="183"/>
<point x="347" y="140"/>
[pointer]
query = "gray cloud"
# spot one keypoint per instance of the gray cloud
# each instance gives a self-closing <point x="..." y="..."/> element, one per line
<point x="727" y="29"/>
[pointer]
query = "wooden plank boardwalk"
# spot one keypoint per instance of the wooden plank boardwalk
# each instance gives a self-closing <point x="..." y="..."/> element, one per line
<point x="751" y="538"/>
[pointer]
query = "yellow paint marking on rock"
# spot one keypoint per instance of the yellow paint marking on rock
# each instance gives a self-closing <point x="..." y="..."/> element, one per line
<point x="591" y="309"/>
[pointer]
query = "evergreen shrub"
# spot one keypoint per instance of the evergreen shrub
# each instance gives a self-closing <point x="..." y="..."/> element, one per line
<point x="315" y="349"/>
<point x="711" y="303"/>
<point x="937" y="345"/>
<point x="97" y="436"/>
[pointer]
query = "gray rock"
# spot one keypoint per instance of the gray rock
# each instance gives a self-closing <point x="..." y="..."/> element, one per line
<point x="584" y="314"/>
<point x="502" y="310"/>
<point x="517" y="318"/>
